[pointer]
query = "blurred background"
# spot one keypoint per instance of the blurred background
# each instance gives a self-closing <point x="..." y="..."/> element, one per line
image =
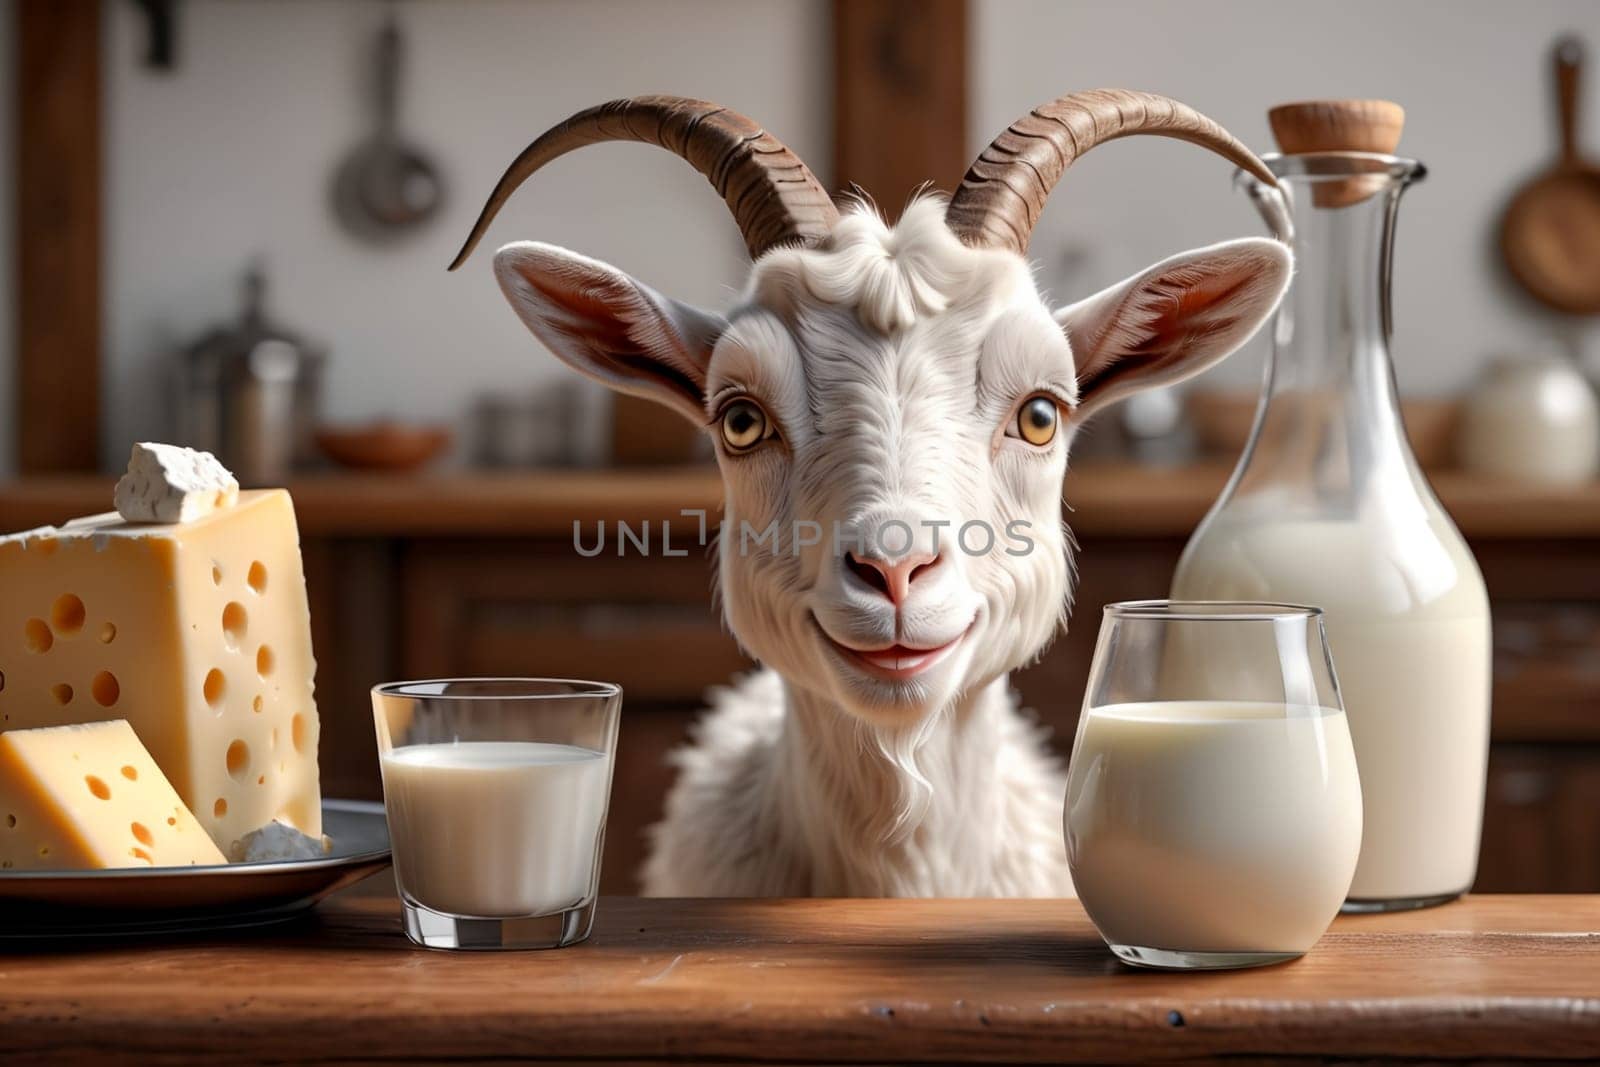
<point x="228" y="223"/>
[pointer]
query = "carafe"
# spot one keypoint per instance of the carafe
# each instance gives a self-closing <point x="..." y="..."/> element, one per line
<point x="1328" y="507"/>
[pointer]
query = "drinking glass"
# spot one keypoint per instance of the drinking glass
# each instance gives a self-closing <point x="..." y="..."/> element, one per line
<point x="496" y="790"/>
<point x="1213" y="814"/>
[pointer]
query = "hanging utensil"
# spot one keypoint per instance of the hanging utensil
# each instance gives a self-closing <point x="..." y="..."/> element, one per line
<point x="386" y="186"/>
<point x="1550" y="236"/>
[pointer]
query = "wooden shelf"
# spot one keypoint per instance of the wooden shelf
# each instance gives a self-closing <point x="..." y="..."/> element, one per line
<point x="1105" y="499"/>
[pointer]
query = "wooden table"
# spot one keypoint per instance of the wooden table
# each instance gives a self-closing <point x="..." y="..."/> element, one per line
<point x="786" y="981"/>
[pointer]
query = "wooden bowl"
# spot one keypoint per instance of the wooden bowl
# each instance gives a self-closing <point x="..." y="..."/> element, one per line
<point x="383" y="446"/>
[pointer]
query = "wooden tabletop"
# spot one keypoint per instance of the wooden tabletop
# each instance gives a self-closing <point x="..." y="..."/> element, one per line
<point x="1106" y="499"/>
<point x="784" y="981"/>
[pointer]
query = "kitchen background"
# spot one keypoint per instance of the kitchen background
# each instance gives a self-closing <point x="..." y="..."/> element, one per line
<point x="227" y="157"/>
<point x="230" y="154"/>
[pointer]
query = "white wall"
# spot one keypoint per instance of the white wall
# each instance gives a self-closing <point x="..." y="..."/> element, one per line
<point x="1472" y="75"/>
<point x="8" y="212"/>
<point x="232" y="154"/>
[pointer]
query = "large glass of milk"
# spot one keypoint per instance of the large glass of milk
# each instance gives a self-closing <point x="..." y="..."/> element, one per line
<point x="496" y="790"/>
<point x="1213" y="809"/>
<point x="1327" y="506"/>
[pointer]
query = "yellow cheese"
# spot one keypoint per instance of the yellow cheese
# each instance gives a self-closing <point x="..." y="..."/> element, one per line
<point x="196" y="633"/>
<point x="77" y="797"/>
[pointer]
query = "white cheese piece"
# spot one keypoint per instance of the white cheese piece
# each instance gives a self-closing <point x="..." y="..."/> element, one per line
<point x="167" y="483"/>
<point x="277" y="841"/>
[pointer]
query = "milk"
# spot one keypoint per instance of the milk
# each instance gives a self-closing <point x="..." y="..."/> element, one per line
<point x="1408" y="625"/>
<point x="492" y="829"/>
<point x="1207" y="826"/>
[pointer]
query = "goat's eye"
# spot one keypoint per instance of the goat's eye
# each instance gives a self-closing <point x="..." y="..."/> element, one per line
<point x="1036" y="421"/>
<point x="744" y="425"/>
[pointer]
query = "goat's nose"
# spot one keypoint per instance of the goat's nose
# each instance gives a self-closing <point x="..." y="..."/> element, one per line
<point x="892" y="578"/>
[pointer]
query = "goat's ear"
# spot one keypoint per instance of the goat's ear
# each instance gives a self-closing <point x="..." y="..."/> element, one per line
<point x="1173" y="320"/>
<point x="610" y="327"/>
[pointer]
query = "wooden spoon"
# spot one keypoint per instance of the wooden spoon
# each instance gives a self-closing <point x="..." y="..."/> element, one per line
<point x="1550" y="236"/>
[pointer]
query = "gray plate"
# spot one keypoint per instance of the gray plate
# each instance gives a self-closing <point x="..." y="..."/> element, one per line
<point x="170" y="900"/>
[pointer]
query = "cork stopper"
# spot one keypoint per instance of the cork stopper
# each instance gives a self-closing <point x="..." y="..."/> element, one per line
<point x="1339" y="126"/>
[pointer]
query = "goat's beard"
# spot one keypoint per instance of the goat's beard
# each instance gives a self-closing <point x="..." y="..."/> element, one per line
<point x="900" y="747"/>
<point x="892" y="730"/>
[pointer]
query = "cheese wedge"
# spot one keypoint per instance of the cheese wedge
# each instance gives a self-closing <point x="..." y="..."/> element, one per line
<point x="196" y="633"/>
<point x="85" y="797"/>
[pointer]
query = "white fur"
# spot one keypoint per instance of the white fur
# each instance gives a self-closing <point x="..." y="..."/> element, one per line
<point x="809" y="799"/>
<point x="892" y="361"/>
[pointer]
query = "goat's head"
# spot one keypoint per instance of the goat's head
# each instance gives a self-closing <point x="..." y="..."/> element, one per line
<point x="891" y="407"/>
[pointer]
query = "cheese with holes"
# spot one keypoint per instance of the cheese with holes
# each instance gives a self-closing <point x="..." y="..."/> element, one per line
<point x="196" y="633"/>
<point x="84" y="797"/>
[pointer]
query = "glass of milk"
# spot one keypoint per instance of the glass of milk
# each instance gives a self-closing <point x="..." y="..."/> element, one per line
<point x="496" y="791"/>
<point x="1213" y="813"/>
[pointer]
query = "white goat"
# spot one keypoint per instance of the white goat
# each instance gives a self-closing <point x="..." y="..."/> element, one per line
<point x="908" y="391"/>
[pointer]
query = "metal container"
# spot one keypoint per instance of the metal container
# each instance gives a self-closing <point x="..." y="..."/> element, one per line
<point x="250" y="393"/>
<point x="559" y="425"/>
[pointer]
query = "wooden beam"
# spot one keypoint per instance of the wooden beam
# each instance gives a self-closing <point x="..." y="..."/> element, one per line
<point x="900" y="103"/>
<point x="58" y="235"/>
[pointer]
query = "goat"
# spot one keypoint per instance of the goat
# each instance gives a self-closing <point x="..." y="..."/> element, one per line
<point x="875" y="380"/>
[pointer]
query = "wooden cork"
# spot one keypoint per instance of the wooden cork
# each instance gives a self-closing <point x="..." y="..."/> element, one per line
<point x="1339" y="126"/>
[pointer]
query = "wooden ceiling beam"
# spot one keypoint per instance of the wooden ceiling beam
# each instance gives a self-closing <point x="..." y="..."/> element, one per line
<point x="900" y="99"/>
<point x="58" y="235"/>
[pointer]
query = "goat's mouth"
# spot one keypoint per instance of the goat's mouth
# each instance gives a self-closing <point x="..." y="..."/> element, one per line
<point x="897" y="663"/>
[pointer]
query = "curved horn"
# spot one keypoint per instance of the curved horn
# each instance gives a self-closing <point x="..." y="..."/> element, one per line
<point x="774" y="197"/>
<point x="1007" y="185"/>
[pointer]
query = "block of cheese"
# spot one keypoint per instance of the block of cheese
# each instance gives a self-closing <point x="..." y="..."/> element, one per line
<point x="197" y="633"/>
<point x="85" y="797"/>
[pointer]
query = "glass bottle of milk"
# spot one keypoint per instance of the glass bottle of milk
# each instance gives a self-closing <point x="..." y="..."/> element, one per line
<point x="1328" y="507"/>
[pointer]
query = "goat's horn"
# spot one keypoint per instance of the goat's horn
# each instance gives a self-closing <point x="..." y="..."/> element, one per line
<point x="774" y="197"/>
<point x="1007" y="185"/>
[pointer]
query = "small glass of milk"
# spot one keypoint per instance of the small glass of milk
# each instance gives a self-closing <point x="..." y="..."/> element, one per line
<point x="1213" y="813"/>
<point x="496" y="791"/>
